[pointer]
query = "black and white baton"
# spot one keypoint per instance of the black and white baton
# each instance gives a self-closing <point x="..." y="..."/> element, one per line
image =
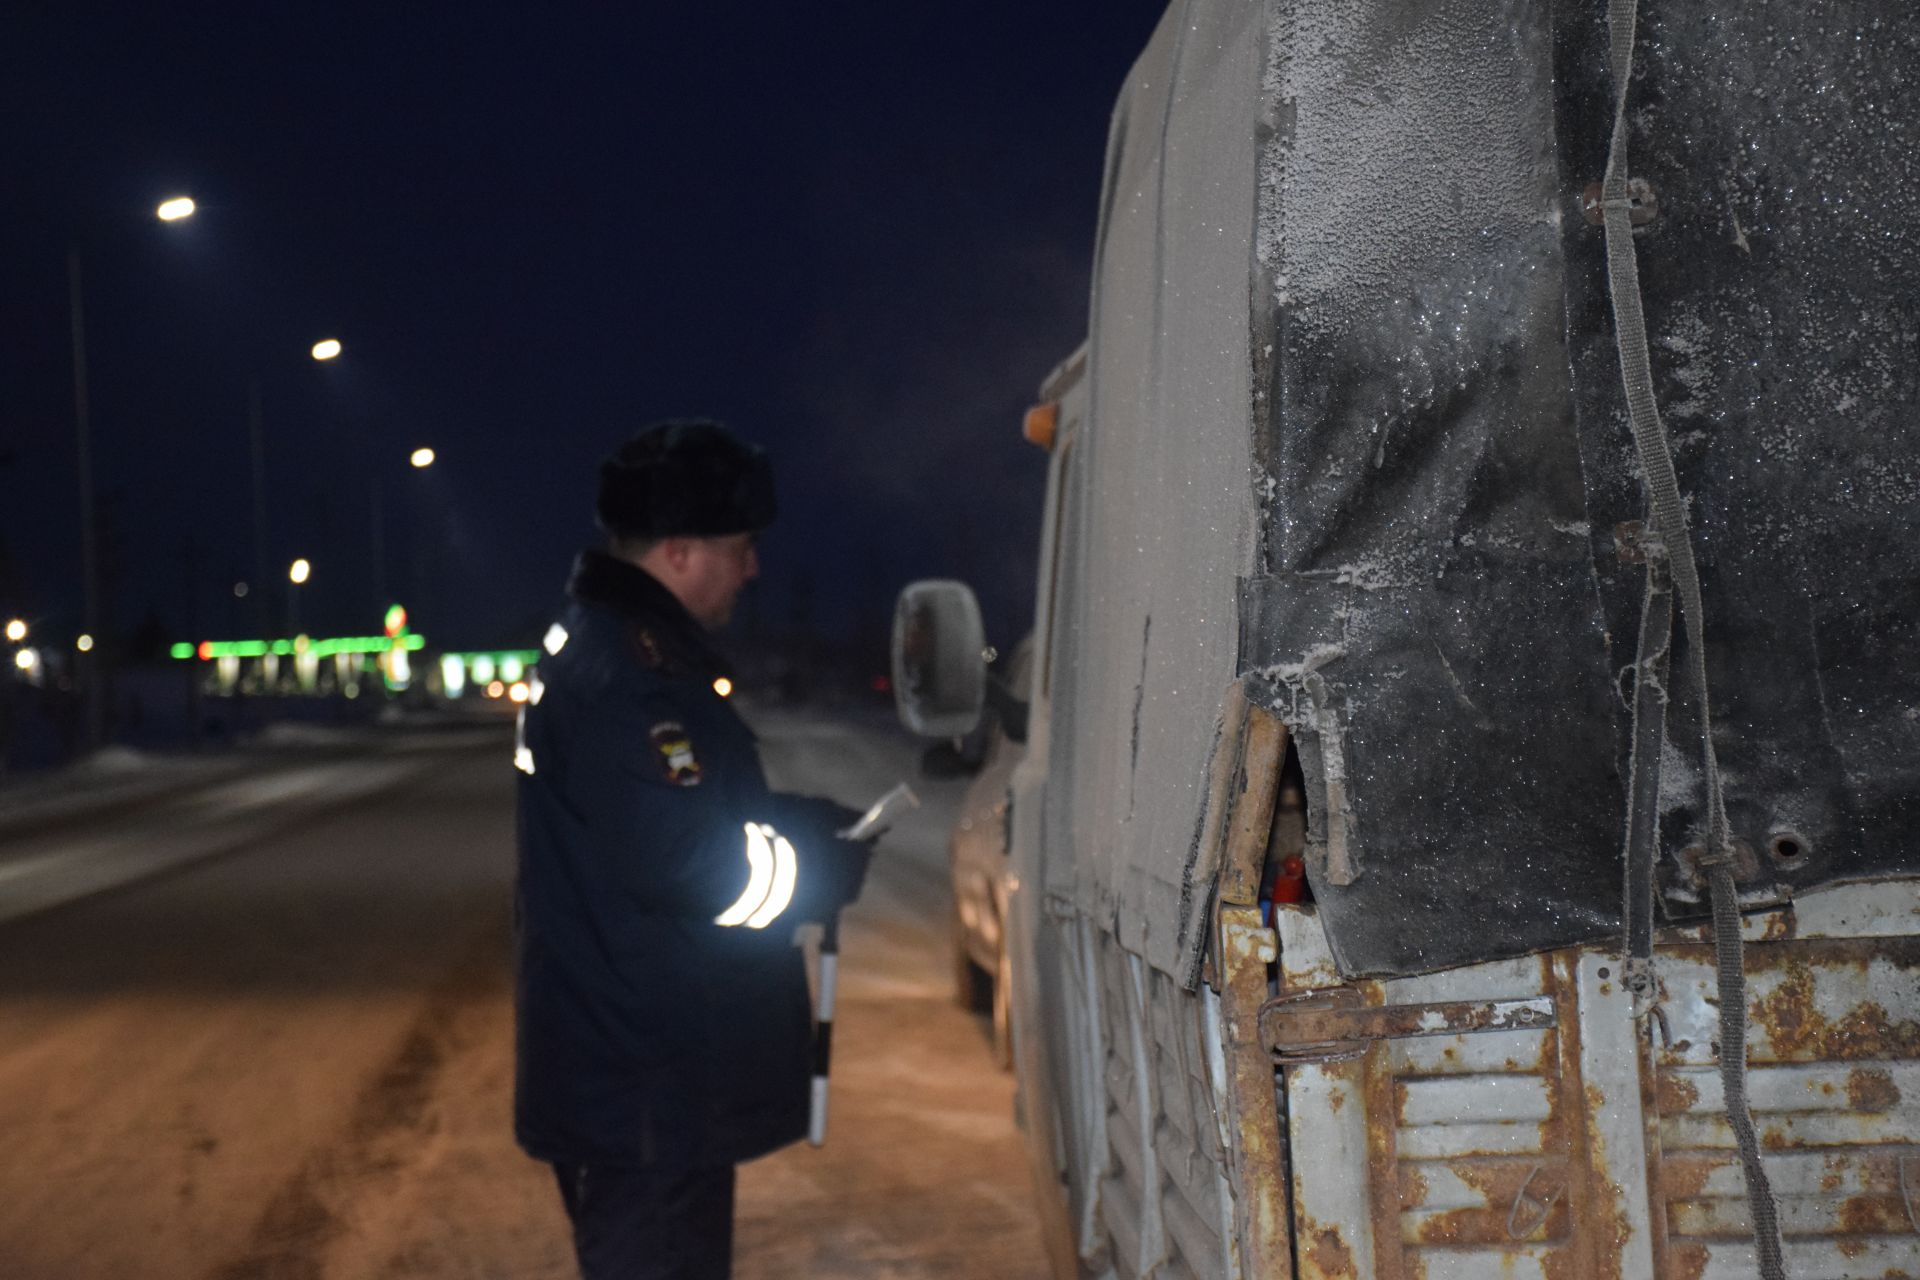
<point x="823" y="1030"/>
<point x="871" y="824"/>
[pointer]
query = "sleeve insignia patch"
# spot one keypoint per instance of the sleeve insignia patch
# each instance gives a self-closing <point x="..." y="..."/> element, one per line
<point x="673" y="751"/>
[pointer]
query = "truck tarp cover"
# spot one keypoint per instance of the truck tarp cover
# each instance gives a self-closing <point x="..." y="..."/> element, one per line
<point x="1448" y="599"/>
<point x="1357" y="434"/>
<point x="1157" y="518"/>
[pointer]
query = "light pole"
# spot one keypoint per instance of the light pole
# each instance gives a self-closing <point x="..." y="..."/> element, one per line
<point x="420" y="459"/>
<point x="257" y="446"/>
<point x="176" y="209"/>
<point x="323" y="350"/>
<point x="297" y="574"/>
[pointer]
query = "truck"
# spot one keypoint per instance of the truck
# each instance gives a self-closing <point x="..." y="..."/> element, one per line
<point x="1470" y="817"/>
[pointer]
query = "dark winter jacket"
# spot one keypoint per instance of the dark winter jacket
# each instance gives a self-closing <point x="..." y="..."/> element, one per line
<point x="647" y="1033"/>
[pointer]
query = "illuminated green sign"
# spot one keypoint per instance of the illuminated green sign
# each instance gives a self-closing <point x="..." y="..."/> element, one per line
<point x="499" y="657"/>
<point x="208" y="650"/>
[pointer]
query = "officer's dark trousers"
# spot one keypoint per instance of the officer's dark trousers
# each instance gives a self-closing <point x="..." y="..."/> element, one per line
<point x="641" y="1224"/>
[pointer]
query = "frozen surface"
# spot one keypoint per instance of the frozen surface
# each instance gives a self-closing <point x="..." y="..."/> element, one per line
<point x="97" y="839"/>
<point x="297" y="1060"/>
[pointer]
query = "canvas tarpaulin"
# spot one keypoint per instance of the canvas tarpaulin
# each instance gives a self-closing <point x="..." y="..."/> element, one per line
<point x="1157" y="512"/>
<point x="1356" y="433"/>
<point x="1452" y="573"/>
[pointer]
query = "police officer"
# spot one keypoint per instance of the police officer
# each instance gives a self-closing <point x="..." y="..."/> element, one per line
<point x="663" y="1015"/>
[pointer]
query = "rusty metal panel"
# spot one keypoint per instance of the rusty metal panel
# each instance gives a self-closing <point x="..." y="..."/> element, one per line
<point x="1596" y="1148"/>
<point x="1485" y="1135"/>
<point x="1306" y="961"/>
<point x="1883" y="909"/>
<point x="1316" y="1026"/>
<point x="1834" y="1079"/>
<point x="1327" y="1125"/>
<point x="1503" y="1152"/>
<point x="1616" y="1223"/>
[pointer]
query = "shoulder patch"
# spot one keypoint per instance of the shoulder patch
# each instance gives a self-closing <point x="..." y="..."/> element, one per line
<point x="673" y="754"/>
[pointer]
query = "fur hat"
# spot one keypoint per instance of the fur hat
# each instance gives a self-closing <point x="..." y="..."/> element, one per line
<point x="690" y="478"/>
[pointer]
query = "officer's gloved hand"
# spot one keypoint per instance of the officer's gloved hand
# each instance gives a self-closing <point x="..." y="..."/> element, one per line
<point x="832" y="869"/>
<point x="831" y="873"/>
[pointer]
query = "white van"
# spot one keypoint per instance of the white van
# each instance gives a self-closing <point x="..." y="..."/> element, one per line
<point x="1523" y="540"/>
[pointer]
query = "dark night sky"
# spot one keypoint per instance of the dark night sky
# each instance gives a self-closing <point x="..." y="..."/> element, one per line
<point x="860" y="233"/>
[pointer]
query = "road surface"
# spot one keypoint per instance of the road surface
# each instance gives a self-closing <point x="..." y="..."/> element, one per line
<point x="274" y="1040"/>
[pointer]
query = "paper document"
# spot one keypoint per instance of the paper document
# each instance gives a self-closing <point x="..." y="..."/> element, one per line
<point x="881" y="816"/>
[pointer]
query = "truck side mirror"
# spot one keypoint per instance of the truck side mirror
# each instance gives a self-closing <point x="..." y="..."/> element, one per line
<point x="939" y="658"/>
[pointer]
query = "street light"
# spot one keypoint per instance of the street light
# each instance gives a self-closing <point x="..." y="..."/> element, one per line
<point x="175" y="209"/>
<point x="325" y="349"/>
<point x="16" y="630"/>
<point x="297" y="573"/>
<point x="83" y="642"/>
<point x="420" y="459"/>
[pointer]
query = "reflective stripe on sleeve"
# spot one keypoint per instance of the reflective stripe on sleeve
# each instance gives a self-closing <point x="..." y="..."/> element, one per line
<point x="522" y="755"/>
<point x="786" y="869"/>
<point x="759" y="879"/>
<point x="772" y="870"/>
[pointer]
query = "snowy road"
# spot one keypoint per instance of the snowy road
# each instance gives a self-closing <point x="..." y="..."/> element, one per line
<point x="289" y="1055"/>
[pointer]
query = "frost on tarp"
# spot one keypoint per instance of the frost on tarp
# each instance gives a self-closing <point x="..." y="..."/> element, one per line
<point x="1782" y="283"/>
<point x="1158" y="513"/>
<point x="1442" y="610"/>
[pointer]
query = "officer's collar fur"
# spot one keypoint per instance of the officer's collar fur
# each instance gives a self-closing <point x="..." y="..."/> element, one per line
<point x="668" y="636"/>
